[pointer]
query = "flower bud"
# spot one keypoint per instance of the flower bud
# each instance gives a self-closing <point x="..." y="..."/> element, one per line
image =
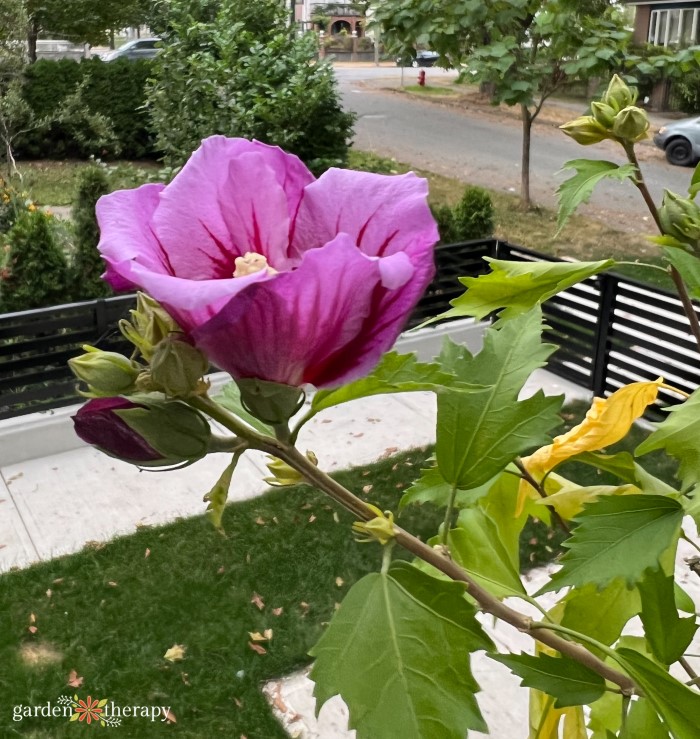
<point x="151" y="432"/>
<point x="604" y="114"/>
<point x="150" y="324"/>
<point x="283" y="474"/>
<point x="177" y="367"/>
<point x="585" y="130"/>
<point x="619" y="95"/>
<point x="270" y="402"/>
<point x="631" y="124"/>
<point x="680" y="218"/>
<point x="105" y="373"/>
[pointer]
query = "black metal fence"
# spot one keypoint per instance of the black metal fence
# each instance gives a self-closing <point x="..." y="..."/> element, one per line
<point x="610" y="330"/>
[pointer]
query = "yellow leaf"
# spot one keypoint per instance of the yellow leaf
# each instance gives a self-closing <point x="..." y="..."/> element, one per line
<point x="544" y="718"/>
<point x="257" y="636"/>
<point x="607" y="421"/>
<point x="568" y="503"/>
<point x="574" y="723"/>
<point x="175" y="653"/>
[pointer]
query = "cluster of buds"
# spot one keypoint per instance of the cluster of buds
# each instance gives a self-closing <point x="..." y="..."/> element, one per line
<point x="679" y="219"/>
<point x="614" y="117"/>
<point x="150" y="426"/>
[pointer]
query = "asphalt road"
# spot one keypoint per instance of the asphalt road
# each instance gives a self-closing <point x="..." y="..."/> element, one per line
<point x="483" y="147"/>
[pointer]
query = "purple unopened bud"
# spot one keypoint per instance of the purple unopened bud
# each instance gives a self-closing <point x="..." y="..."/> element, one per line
<point x="97" y="423"/>
<point x="148" y="430"/>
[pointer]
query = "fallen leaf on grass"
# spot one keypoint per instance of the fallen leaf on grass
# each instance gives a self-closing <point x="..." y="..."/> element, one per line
<point x="185" y="678"/>
<point x="32" y="629"/>
<point x="257" y="636"/>
<point x="239" y="703"/>
<point x="221" y="570"/>
<point x="367" y="489"/>
<point x="257" y="648"/>
<point x="175" y="653"/>
<point x="277" y="611"/>
<point x="336" y="517"/>
<point x="112" y="584"/>
<point x="260" y="521"/>
<point x="147" y="553"/>
<point x="57" y="581"/>
<point x="49" y="593"/>
<point x="170" y="717"/>
<point x="257" y="600"/>
<point x="74" y="680"/>
<point x="304" y="607"/>
<point x="312" y="518"/>
<point x="339" y="582"/>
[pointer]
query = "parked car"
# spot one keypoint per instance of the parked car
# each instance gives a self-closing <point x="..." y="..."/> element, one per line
<point x="680" y="140"/>
<point x="419" y="59"/>
<point x="138" y="48"/>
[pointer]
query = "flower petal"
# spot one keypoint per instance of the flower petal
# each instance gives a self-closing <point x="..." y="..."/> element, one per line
<point x="231" y="197"/>
<point x="310" y="325"/>
<point x="383" y="214"/>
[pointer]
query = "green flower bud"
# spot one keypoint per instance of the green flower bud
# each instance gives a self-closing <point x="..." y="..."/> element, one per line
<point x="177" y="367"/>
<point x="631" y="124"/>
<point x="619" y="95"/>
<point x="105" y="373"/>
<point x="150" y="324"/>
<point x="604" y="114"/>
<point x="270" y="402"/>
<point x="585" y="130"/>
<point x="680" y="218"/>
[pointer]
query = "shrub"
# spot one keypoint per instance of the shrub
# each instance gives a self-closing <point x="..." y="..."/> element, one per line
<point x="227" y="70"/>
<point x="115" y="91"/>
<point x="87" y="264"/>
<point x="688" y="90"/>
<point x="473" y="215"/>
<point x="35" y="272"/>
<point x="471" y="218"/>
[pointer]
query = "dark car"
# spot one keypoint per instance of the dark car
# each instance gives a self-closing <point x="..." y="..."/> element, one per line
<point x="138" y="48"/>
<point x="680" y="140"/>
<point x="419" y="59"/>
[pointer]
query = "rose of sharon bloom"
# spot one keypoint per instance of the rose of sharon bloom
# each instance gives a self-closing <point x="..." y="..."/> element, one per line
<point x="272" y="273"/>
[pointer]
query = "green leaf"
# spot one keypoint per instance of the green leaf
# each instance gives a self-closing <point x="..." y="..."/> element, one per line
<point x="230" y="398"/>
<point x="678" y="705"/>
<point x="218" y="495"/>
<point x="601" y="614"/>
<point x="385" y="653"/>
<point x="689" y="268"/>
<point x="431" y="487"/>
<point x="481" y="431"/>
<point x="618" y="536"/>
<point x="568" y="681"/>
<point x="643" y="721"/>
<point x="500" y="505"/>
<point x="668" y="634"/>
<point x="476" y="547"/>
<point x="396" y="373"/>
<point x="679" y="436"/>
<point x="694" y="187"/>
<point x="518" y="286"/>
<point x="578" y="189"/>
<point x="624" y="466"/>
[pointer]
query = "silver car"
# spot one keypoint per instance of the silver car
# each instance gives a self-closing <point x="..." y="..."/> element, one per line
<point x="680" y="140"/>
<point x="138" y="48"/>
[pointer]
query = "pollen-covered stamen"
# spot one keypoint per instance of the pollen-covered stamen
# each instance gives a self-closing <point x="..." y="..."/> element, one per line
<point x="252" y="263"/>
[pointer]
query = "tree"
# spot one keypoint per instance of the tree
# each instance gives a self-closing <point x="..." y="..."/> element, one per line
<point x="523" y="50"/>
<point x="239" y="69"/>
<point x="82" y="21"/>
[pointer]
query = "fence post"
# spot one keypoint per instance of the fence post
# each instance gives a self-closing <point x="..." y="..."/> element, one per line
<point x="606" y="310"/>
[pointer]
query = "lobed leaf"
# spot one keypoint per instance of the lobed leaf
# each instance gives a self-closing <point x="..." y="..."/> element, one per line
<point x="618" y="536"/>
<point x="579" y="188"/>
<point x="515" y="287"/>
<point x="569" y="682"/>
<point x="385" y="653"/>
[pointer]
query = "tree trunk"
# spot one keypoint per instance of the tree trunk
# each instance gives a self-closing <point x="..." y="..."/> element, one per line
<point x="526" y="116"/>
<point x="32" y="36"/>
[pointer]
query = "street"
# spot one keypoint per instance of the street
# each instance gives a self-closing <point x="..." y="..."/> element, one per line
<point x="483" y="147"/>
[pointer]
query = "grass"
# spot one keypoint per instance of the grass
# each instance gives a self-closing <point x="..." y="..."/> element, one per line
<point x="431" y="90"/>
<point x="110" y="612"/>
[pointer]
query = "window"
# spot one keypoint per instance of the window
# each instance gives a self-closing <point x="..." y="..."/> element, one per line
<point x="677" y="27"/>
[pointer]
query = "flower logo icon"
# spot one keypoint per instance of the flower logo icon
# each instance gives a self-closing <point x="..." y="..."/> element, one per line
<point x="87" y="710"/>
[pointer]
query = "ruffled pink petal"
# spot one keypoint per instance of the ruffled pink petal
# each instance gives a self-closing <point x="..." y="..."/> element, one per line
<point x="125" y="233"/>
<point x="299" y="326"/>
<point x="383" y="214"/>
<point x="232" y="196"/>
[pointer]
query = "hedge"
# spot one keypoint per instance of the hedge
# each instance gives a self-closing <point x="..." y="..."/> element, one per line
<point x="115" y="89"/>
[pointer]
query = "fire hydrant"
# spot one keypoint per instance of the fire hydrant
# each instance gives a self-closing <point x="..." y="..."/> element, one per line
<point x="421" y="77"/>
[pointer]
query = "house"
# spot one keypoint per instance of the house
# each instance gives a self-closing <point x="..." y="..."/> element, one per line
<point x="666" y="22"/>
<point x="340" y="17"/>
